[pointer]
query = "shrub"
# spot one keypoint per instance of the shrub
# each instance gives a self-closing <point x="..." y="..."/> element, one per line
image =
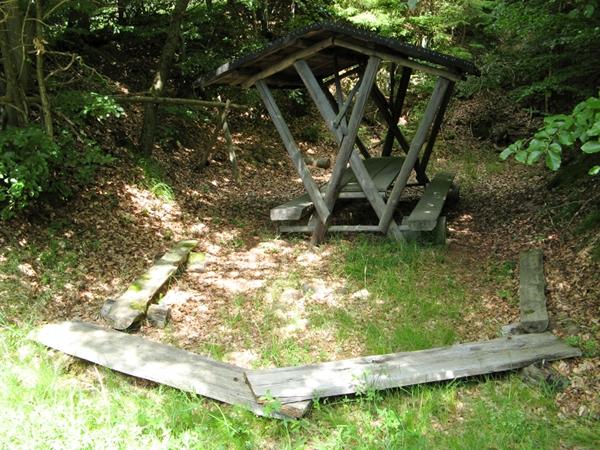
<point x="31" y="164"/>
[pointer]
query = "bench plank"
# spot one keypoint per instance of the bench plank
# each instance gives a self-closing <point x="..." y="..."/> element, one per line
<point x="292" y="384"/>
<point x="131" y="306"/>
<point x="532" y="286"/>
<point x="161" y="363"/>
<point x="424" y="216"/>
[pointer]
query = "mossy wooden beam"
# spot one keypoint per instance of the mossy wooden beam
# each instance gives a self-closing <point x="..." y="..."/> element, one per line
<point x="131" y="306"/>
<point x="532" y="286"/>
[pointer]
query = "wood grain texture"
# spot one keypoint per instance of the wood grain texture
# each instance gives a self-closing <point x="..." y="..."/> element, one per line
<point x="292" y="384"/>
<point x="131" y="306"/>
<point x="424" y="216"/>
<point x="164" y="364"/>
<point x="532" y="295"/>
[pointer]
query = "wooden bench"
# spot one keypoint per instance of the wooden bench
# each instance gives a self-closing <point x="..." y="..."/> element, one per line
<point x="424" y="216"/>
<point x="383" y="171"/>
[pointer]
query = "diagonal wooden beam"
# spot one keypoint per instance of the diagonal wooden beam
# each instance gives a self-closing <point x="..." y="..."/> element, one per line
<point x="384" y="109"/>
<point x="346" y="105"/>
<point x="433" y="106"/>
<point x="288" y="61"/>
<point x="362" y="148"/>
<point x="309" y="184"/>
<point x="356" y="163"/>
<point x="439" y="118"/>
<point x="347" y="145"/>
<point x="398" y="103"/>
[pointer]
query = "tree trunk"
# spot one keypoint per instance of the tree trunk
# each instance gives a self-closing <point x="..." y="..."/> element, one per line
<point x="39" y="59"/>
<point x="161" y="76"/>
<point x="17" y="109"/>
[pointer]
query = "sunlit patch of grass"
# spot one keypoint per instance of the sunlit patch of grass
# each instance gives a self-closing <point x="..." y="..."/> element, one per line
<point x="155" y="180"/>
<point x="411" y="299"/>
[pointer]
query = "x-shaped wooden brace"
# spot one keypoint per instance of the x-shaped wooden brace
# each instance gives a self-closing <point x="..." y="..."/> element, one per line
<point x="346" y="135"/>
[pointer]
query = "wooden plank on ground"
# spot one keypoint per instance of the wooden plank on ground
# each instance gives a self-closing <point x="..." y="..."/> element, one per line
<point x="131" y="306"/>
<point x="164" y="364"/>
<point x="534" y="316"/>
<point x="424" y="216"/>
<point x="292" y="384"/>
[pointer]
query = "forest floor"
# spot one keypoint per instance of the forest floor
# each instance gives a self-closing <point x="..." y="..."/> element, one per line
<point x="265" y="300"/>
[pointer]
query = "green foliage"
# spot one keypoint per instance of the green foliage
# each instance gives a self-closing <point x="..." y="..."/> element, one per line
<point x="539" y="51"/>
<point x="32" y="164"/>
<point x="580" y="128"/>
<point x="82" y="105"/>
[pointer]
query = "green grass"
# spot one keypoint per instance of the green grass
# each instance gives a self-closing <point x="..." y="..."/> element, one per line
<point x="49" y="400"/>
<point x="155" y="180"/>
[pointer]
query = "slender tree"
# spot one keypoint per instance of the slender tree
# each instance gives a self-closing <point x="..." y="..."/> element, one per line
<point x="160" y="78"/>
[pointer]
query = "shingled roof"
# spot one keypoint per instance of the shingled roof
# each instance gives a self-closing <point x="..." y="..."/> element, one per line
<point x="331" y="58"/>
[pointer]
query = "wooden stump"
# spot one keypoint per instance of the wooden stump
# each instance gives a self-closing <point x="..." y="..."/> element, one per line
<point x="158" y="315"/>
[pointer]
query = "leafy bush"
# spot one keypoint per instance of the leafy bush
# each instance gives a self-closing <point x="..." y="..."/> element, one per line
<point x="581" y="128"/>
<point x="82" y="105"/>
<point x="31" y="164"/>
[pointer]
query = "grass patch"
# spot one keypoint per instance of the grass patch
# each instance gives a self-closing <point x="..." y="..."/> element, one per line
<point x="155" y="179"/>
<point x="53" y="401"/>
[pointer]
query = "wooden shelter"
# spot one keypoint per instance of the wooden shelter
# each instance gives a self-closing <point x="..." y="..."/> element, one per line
<point x="321" y="55"/>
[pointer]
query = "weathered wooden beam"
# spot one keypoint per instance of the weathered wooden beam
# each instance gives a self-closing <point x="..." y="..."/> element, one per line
<point x="362" y="148"/>
<point x="332" y="228"/>
<point x="532" y="286"/>
<point x="157" y="100"/>
<point x="344" y="109"/>
<point x="131" y="306"/>
<point x="397" y="59"/>
<point x="229" y="141"/>
<point x="384" y="109"/>
<point x="292" y="384"/>
<point x="295" y="155"/>
<point x="164" y="364"/>
<point x="435" y="129"/>
<point x="348" y="143"/>
<point x="288" y="61"/>
<point x="398" y="104"/>
<point x="413" y="153"/>
<point x="357" y="165"/>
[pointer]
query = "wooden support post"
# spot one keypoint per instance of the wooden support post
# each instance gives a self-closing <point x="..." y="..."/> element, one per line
<point x="413" y="154"/>
<point x="439" y="118"/>
<point x="347" y="145"/>
<point x="398" y="103"/>
<point x="357" y="165"/>
<point x="309" y="184"/>
<point x="229" y="141"/>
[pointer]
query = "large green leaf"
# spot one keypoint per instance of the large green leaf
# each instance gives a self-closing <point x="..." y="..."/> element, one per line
<point x="591" y="147"/>
<point x="553" y="160"/>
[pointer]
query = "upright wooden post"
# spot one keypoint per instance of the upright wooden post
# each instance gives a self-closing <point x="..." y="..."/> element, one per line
<point x="396" y="109"/>
<point x="309" y="184"/>
<point x="413" y="154"/>
<point x="347" y="145"/>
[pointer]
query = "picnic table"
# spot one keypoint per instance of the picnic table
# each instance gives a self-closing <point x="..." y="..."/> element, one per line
<point x="318" y="58"/>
